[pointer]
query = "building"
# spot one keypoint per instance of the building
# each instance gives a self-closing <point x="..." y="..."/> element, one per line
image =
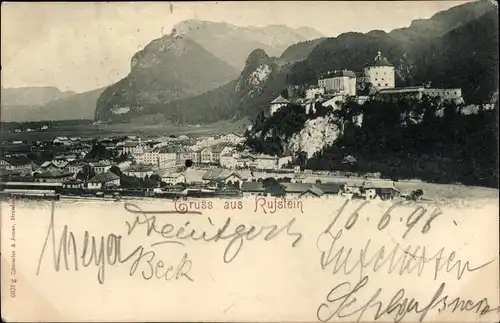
<point x="277" y="104"/>
<point x="228" y="160"/>
<point x="252" y="189"/>
<point x="160" y="157"/>
<point x="212" y="154"/>
<point x="335" y="102"/>
<point x="230" y="178"/>
<point x="74" y="184"/>
<point x="343" y="82"/>
<point x="53" y="176"/>
<point x="19" y="164"/>
<point x="139" y="171"/>
<point x="418" y="92"/>
<point x="232" y="138"/>
<point x="380" y="73"/>
<point x="380" y="188"/>
<point x="314" y="91"/>
<point x="173" y="178"/>
<point x="104" y="180"/>
<point x="101" y="166"/>
<point x="131" y="147"/>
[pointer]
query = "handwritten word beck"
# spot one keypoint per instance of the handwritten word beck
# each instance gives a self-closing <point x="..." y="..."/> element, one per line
<point x="102" y="252"/>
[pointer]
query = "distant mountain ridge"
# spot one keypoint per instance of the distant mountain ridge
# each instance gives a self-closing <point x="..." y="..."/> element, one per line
<point x="233" y="44"/>
<point x="76" y="106"/>
<point x="32" y="95"/>
<point x="464" y="56"/>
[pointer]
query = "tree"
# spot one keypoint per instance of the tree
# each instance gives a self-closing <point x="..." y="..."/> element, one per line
<point x="116" y="170"/>
<point x="273" y="187"/>
<point x="155" y="178"/>
<point x="88" y="172"/>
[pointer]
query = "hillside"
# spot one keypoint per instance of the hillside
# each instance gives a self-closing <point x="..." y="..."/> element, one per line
<point x="260" y="81"/>
<point x="233" y="44"/>
<point x="300" y="51"/>
<point x="457" y="49"/>
<point x="167" y="69"/>
<point x="468" y="31"/>
<point x="74" y="106"/>
<point x="31" y="96"/>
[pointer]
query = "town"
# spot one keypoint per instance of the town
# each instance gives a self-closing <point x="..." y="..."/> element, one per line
<point x="170" y="167"/>
<point x="205" y="166"/>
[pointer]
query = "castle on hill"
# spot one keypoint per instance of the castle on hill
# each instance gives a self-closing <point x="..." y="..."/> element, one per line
<point x="378" y="77"/>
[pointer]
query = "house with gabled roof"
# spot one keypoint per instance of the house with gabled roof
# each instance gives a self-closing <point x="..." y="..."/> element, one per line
<point x="231" y="178"/>
<point x="104" y="180"/>
<point x="277" y="104"/>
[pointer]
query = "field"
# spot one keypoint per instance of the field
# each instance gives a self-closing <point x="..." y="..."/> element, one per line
<point x="441" y="192"/>
<point x="99" y="131"/>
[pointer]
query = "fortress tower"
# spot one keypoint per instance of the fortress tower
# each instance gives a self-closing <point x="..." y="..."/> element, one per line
<point x="380" y="73"/>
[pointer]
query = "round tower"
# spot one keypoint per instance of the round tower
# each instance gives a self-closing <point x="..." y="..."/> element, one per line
<point x="380" y="73"/>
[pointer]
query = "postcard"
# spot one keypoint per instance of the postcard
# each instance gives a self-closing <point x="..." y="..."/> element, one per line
<point x="250" y="162"/>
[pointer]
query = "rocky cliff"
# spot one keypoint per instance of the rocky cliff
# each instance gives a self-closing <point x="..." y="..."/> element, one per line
<point x="233" y="44"/>
<point x="168" y="69"/>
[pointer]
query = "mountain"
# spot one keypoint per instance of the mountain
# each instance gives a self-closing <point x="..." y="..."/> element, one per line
<point x="31" y="96"/>
<point x="167" y="69"/>
<point x="454" y="48"/>
<point x="300" y="51"/>
<point x="458" y="49"/>
<point x="416" y="62"/>
<point x="261" y="80"/>
<point x="233" y="44"/>
<point x="76" y="106"/>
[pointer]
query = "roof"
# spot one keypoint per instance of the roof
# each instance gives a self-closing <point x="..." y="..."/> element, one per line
<point x="252" y="187"/>
<point x="218" y="148"/>
<point x="18" y="160"/>
<point x="331" y="188"/>
<point x="380" y="61"/>
<point x="350" y="159"/>
<point x="314" y="190"/>
<point x="130" y="144"/>
<point x="140" y="168"/>
<point x="296" y="187"/>
<point x="340" y="73"/>
<point x="172" y="174"/>
<point x="104" y="177"/>
<point x="379" y="184"/>
<point x="220" y="174"/>
<point x="279" y="100"/>
<point x="54" y="174"/>
<point x="8" y="172"/>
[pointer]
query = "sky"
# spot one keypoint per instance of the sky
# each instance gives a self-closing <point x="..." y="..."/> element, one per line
<point x="83" y="46"/>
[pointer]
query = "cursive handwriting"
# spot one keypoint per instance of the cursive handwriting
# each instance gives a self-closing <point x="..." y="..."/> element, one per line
<point x="106" y="251"/>
<point x="411" y="259"/>
<point x="342" y="302"/>
<point x="236" y="236"/>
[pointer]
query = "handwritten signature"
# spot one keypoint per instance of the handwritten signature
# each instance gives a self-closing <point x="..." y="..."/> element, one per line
<point x="105" y="251"/>
<point x="236" y="236"/>
<point x="102" y="252"/>
<point x="411" y="259"/>
<point x="341" y="302"/>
